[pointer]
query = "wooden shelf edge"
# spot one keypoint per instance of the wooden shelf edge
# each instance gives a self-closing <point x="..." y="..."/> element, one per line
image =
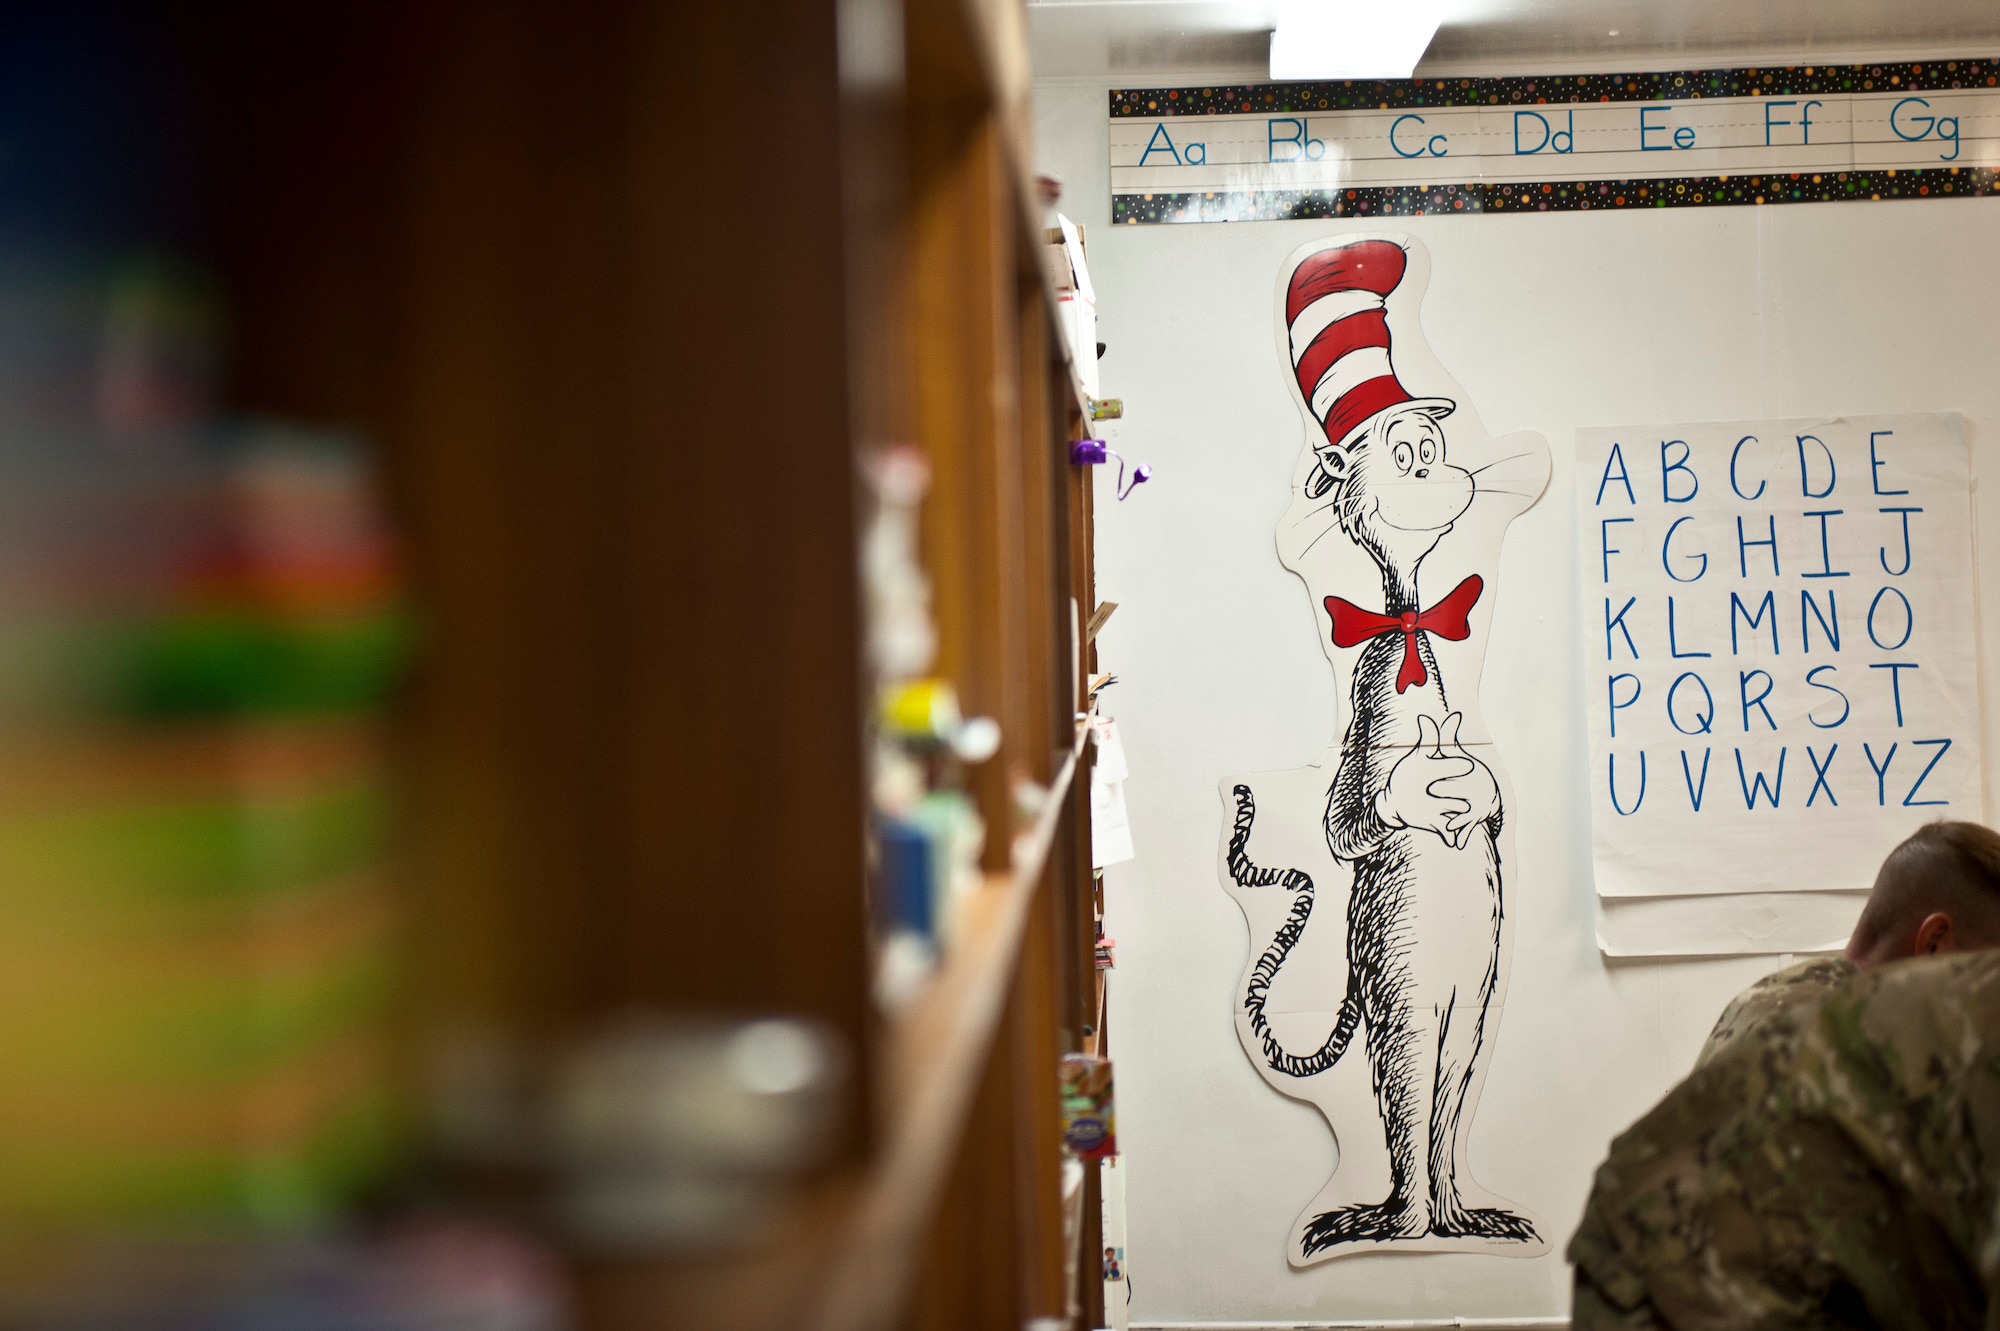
<point x="1031" y="848"/>
<point x="935" y="1053"/>
<point x="996" y="33"/>
<point x="999" y="31"/>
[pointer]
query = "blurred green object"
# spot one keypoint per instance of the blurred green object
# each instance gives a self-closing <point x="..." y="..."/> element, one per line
<point x="237" y="663"/>
<point x="207" y="664"/>
<point x="117" y="857"/>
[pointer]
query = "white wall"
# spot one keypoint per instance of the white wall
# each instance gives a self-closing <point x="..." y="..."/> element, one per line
<point x="1551" y="322"/>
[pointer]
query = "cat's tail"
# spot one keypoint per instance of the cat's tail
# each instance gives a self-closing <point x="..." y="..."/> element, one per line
<point x="1247" y="874"/>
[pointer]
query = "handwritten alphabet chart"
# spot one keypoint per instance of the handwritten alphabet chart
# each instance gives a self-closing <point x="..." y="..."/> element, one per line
<point x="1916" y="129"/>
<point x="1780" y="648"/>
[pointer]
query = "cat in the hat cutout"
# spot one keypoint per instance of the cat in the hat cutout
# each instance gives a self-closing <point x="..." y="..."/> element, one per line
<point x="1400" y="502"/>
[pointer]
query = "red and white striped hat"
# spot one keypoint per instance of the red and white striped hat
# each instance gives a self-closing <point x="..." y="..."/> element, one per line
<point x="1334" y="305"/>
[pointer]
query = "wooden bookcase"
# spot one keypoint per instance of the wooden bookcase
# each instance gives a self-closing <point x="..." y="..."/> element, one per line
<point x="626" y="292"/>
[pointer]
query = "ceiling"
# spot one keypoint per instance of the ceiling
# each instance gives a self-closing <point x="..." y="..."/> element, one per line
<point x="1134" y="41"/>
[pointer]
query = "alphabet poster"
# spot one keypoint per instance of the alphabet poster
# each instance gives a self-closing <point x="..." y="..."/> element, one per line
<point x="1376" y="881"/>
<point x="1540" y="143"/>
<point x="1780" y="648"/>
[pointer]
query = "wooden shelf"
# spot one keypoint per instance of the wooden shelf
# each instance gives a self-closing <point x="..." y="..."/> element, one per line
<point x="640" y="660"/>
<point x="840" y="1256"/>
<point x="934" y="1054"/>
<point x="984" y="43"/>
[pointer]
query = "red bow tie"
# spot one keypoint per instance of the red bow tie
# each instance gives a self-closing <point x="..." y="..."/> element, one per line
<point x="1353" y="626"/>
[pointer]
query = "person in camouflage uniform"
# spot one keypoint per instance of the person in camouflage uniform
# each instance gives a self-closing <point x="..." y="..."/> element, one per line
<point x="1939" y="891"/>
<point x="1774" y="994"/>
<point x="1834" y="1166"/>
<point x="1833" y="1160"/>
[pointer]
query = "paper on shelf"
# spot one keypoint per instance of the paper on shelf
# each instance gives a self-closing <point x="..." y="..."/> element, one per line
<point x="1077" y="308"/>
<point x="1111" y="1194"/>
<point x="1110" y="827"/>
<point x="1111" y="764"/>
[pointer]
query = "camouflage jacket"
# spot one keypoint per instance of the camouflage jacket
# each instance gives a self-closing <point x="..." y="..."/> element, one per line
<point x="1832" y="1166"/>
<point x="1772" y="995"/>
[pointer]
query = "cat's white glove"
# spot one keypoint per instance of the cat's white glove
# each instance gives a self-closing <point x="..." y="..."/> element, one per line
<point x="1476" y="789"/>
<point x="1417" y="793"/>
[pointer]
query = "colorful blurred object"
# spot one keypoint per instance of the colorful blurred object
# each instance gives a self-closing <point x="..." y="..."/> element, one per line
<point x="1089" y="1121"/>
<point x="201" y="624"/>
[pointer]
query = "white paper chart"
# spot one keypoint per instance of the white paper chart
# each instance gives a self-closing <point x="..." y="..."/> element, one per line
<point x="1916" y="129"/>
<point x="1780" y="648"/>
<point x="1591" y="141"/>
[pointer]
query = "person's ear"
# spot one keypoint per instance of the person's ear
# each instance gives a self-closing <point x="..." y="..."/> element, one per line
<point x="1934" y="935"/>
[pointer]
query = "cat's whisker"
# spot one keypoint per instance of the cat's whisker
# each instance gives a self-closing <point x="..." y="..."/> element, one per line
<point x="1331" y="528"/>
<point x="1531" y="477"/>
<point x="1309" y="512"/>
<point x="1497" y="461"/>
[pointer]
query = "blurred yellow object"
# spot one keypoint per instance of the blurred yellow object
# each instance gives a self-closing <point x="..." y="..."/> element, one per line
<point x="195" y="959"/>
<point x="920" y="708"/>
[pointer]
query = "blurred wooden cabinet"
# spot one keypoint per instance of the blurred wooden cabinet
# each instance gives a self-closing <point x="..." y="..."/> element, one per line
<point x="628" y="292"/>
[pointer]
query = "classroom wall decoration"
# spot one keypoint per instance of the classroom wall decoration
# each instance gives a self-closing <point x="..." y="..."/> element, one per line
<point x="1781" y="660"/>
<point x="1375" y="882"/>
<point x="1429" y="146"/>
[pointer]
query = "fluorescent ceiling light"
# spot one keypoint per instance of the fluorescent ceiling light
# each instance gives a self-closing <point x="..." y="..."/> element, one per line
<point x="1352" y="39"/>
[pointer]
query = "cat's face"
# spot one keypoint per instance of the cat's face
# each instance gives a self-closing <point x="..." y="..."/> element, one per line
<point x="1400" y="493"/>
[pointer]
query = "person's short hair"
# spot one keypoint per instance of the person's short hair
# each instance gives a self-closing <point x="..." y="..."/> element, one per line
<point x="1947" y="866"/>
